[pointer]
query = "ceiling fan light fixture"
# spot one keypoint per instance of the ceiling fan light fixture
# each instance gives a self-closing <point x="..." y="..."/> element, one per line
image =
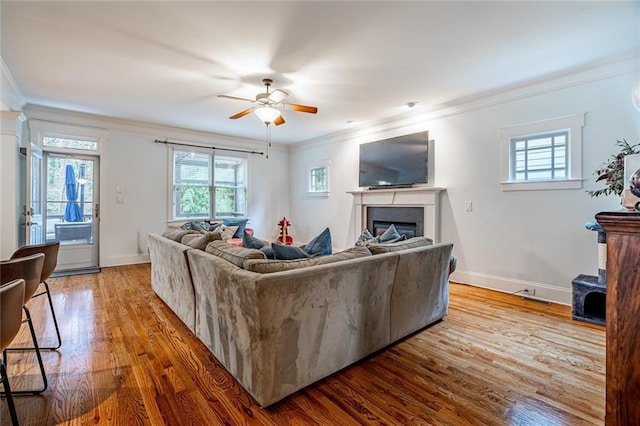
<point x="267" y="114"/>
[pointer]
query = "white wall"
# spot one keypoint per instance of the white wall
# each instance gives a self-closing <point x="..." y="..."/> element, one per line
<point x="131" y="160"/>
<point x="10" y="135"/>
<point x="510" y="239"/>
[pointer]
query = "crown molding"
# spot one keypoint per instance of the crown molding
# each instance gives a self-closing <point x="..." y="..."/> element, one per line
<point x="11" y="96"/>
<point x="57" y="115"/>
<point x="11" y="122"/>
<point x="628" y="62"/>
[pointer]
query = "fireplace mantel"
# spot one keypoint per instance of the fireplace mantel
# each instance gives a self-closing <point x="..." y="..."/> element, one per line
<point x="421" y="196"/>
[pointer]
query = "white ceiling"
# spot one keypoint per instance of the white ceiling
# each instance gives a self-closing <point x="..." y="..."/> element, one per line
<point x="166" y="62"/>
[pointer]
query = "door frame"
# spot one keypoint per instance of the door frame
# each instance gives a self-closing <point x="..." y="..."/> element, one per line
<point x="79" y="254"/>
<point x="42" y="128"/>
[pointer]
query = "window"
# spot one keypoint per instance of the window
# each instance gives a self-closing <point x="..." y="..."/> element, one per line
<point x="319" y="179"/>
<point x="56" y="142"/>
<point x="543" y="155"/>
<point x="539" y="157"/>
<point x="198" y="175"/>
<point x="230" y="186"/>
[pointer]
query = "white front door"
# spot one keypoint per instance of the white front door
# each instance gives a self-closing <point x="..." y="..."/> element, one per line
<point x="72" y="211"/>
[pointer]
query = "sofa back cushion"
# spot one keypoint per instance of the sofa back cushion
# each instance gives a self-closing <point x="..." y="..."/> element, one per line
<point x="266" y="266"/>
<point x="200" y="241"/>
<point x="176" y="234"/>
<point x="377" y="248"/>
<point x="233" y="254"/>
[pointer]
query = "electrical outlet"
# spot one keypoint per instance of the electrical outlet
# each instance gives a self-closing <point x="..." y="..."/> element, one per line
<point x="530" y="291"/>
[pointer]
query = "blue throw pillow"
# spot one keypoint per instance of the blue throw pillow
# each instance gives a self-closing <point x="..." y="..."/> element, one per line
<point x="240" y="223"/>
<point x="390" y="234"/>
<point x="268" y="252"/>
<point x="282" y="252"/>
<point x="320" y="245"/>
<point x="395" y="240"/>
<point x="365" y="238"/>
<point x="250" y="241"/>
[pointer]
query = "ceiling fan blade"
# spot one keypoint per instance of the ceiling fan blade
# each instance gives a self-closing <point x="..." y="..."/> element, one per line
<point x="303" y="108"/>
<point x="279" y="120"/>
<point x="277" y="96"/>
<point x="241" y="113"/>
<point x="235" y="98"/>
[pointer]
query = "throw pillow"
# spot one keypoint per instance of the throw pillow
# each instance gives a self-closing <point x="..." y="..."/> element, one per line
<point x="176" y="234"/>
<point x="202" y="226"/>
<point x="390" y="234"/>
<point x="365" y="238"/>
<point x="250" y="241"/>
<point x="268" y="252"/>
<point x="200" y="241"/>
<point x="378" y="248"/>
<point x="282" y="252"/>
<point x="395" y="240"/>
<point x="320" y="245"/>
<point x="240" y="223"/>
<point x="227" y="232"/>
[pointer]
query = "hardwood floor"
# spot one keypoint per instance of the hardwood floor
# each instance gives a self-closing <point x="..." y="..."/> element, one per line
<point x="496" y="359"/>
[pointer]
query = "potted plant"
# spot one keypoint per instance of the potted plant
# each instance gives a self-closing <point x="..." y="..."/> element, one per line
<point x="612" y="172"/>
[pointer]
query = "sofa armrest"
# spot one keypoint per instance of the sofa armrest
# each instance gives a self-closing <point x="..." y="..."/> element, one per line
<point x="171" y="277"/>
<point x="421" y="290"/>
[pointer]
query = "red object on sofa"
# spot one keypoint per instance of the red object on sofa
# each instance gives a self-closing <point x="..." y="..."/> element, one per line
<point x="284" y="236"/>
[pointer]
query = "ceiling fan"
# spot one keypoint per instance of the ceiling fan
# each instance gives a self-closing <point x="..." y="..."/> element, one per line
<point x="267" y="105"/>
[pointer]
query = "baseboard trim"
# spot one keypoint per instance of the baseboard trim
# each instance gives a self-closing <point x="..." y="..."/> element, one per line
<point x="544" y="292"/>
<point x="81" y="271"/>
<point x="126" y="260"/>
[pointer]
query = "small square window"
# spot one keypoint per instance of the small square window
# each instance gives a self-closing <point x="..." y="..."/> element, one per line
<point x="319" y="179"/>
<point x="542" y="155"/>
<point x="539" y="157"/>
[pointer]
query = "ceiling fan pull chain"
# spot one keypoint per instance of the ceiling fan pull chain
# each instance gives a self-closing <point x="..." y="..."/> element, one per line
<point x="268" y="139"/>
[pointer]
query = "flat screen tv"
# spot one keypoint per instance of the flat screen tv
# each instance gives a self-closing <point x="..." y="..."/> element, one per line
<point x="394" y="162"/>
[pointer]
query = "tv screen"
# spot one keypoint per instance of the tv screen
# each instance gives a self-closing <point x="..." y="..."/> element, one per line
<point x="399" y="161"/>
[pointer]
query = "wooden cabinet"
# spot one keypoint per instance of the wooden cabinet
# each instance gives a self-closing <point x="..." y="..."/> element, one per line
<point x="623" y="317"/>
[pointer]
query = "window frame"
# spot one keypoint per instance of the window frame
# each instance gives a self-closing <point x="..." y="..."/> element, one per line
<point x="172" y="186"/>
<point x="325" y="164"/>
<point x="573" y="178"/>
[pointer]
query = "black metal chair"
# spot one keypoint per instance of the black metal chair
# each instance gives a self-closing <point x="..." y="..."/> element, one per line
<point x="11" y="301"/>
<point x="50" y="251"/>
<point x="29" y="269"/>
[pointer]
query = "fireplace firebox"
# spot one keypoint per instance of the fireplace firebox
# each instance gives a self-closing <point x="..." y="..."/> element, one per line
<point x="407" y="220"/>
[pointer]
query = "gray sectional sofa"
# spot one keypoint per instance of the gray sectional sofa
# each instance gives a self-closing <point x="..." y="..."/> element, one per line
<point x="278" y="326"/>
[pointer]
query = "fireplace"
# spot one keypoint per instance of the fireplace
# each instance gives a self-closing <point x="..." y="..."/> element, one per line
<point x="407" y="220"/>
<point x="426" y="199"/>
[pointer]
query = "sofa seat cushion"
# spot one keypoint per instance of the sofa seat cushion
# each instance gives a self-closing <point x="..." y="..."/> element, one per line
<point x="233" y="254"/>
<point x="378" y="248"/>
<point x="200" y="241"/>
<point x="266" y="266"/>
<point x="176" y="234"/>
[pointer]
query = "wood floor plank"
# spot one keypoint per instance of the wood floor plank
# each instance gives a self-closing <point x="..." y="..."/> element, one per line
<point x="126" y="359"/>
